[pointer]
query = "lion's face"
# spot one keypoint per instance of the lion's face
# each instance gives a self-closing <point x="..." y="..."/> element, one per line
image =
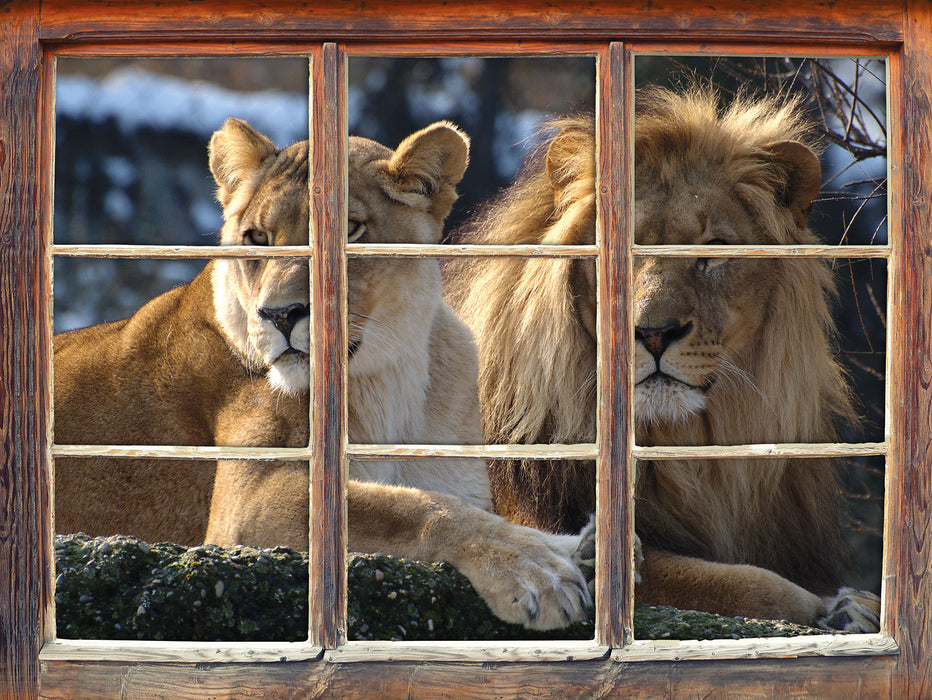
<point x="394" y="197"/>
<point x="698" y="322"/>
<point x="694" y="319"/>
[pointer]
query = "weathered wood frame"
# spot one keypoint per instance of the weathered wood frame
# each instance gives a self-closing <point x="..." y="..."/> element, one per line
<point x="31" y="664"/>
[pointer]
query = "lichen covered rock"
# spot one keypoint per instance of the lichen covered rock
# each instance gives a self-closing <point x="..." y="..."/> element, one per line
<point x="121" y="588"/>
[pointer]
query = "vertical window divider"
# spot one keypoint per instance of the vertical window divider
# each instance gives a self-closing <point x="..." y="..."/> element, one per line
<point x="614" y="467"/>
<point x="327" y="192"/>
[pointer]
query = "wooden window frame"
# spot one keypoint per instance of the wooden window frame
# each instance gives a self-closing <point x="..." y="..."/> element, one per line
<point x="34" y="32"/>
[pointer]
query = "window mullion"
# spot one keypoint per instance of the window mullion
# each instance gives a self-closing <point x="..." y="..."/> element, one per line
<point x="327" y="605"/>
<point x="614" y="479"/>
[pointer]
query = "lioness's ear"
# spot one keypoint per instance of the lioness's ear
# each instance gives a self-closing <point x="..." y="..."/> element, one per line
<point x="236" y="151"/>
<point x="570" y="158"/>
<point x="802" y="180"/>
<point x="430" y="162"/>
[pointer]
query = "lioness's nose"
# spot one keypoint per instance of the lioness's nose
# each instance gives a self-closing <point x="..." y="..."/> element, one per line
<point x="285" y="318"/>
<point x="657" y="340"/>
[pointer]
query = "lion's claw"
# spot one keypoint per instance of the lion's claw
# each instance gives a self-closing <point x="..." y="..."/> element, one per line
<point x="853" y="611"/>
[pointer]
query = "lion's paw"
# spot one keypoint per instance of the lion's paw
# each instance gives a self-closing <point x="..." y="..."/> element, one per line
<point x="529" y="578"/>
<point x="852" y="611"/>
<point x="584" y="556"/>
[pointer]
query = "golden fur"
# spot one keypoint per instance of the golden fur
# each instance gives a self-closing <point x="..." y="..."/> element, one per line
<point x="744" y="347"/>
<point x="224" y="361"/>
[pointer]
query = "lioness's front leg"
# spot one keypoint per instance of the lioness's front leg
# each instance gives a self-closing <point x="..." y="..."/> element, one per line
<point x="526" y="576"/>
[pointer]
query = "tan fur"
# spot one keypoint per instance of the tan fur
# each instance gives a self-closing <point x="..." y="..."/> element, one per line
<point x="751" y="355"/>
<point x="214" y="363"/>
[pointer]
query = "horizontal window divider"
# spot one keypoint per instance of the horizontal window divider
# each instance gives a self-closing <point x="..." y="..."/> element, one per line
<point x="483" y="48"/>
<point x="540" y="451"/>
<point x="178" y="252"/>
<point x="770" y="648"/>
<point x="206" y="452"/>
<point x="581" y="451"/>
<point x="762" y="251"/>
<point x="737" y="49"/>
<point x="399" y="250"/>
<point x="177" y="652"/>
<point x="467" y="651"/>
<point x="841" y="449"/>
<point x="384" y="250"/>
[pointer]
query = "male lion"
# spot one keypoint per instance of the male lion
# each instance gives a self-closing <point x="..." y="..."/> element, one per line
<point x="224" y="361"/>
<point x="728" y="351"/>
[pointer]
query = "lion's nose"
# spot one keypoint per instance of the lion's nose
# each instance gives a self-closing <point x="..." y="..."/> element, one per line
<point x="285" y="318"/>
<point x="657" y="340"/>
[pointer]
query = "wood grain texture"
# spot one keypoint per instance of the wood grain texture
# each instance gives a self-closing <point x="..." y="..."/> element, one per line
<point x="24" y="584"/>
<point x="774" y="648"/>
<point x="614" y="468"/>
<point x="848" y="678"/>
<point x="908" y="566"/>
<point x="327" y="182"/>
<point x="433" y="20"/>
<point x="132" y="651"/>
<point x="403" y="250"/>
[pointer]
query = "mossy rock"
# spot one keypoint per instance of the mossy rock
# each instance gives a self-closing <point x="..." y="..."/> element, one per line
<point x="122" y="588"/>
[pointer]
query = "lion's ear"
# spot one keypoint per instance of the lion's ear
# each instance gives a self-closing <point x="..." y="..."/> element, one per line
<point x="570" y="157"/>
<point x="803" y="177"/>
<point x="430" y="163"/>
<point x="236" y="151"/>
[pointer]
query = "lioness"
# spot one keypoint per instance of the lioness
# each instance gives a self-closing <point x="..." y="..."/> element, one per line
<point x="728" y="352"/>
<point x="223" y="360"/>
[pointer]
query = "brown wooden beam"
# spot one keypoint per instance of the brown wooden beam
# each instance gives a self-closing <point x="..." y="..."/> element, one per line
<point x="908" y="546"/>
<point x="436" y="20"/>
<point x="24" y="402"/>
<point x="327" y="610"/>
<point x="779" y="678"/>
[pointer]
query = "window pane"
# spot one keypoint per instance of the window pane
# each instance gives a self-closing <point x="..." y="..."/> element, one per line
<point x="502" y="104"/>
<point x="176" y="361"/>
<point x="730" y="351"/>
<point x="412" y="371"/>
<point x="131" y="134"/>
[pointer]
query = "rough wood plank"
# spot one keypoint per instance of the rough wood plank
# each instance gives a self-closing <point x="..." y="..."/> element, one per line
<point x="402" y="250"/>
<point x="206" y="452"/>
<point x="24" y="543"/>
<point x="327" y="611"/>
<point x="758" y="48"/>
<point x="542" y="451"/>
<point x="471" y="652"/>
<point x="573" y="20"/>
<point x="773" y="251"/>
<point x="127" y="651"/>
<point x="774" y="450"/>
<point x="614" y="468"/>
<point x="389" y="250"/>
<point x="779" y="648"/>
<point x="548" y="451"/>
<point x="848" y="678"/>
<point x="908" y="563"/>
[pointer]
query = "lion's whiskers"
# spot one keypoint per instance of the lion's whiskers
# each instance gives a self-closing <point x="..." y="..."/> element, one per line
<point x="737" y="377"/>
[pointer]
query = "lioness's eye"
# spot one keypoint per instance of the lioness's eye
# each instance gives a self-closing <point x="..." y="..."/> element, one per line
<point x="354" y="230"/>
<point x="254" y="237"/>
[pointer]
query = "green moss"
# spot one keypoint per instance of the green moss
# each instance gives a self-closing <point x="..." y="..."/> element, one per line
<point x="121" y="588"/>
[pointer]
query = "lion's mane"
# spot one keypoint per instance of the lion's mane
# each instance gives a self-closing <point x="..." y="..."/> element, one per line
<point x="537" y="361"/>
